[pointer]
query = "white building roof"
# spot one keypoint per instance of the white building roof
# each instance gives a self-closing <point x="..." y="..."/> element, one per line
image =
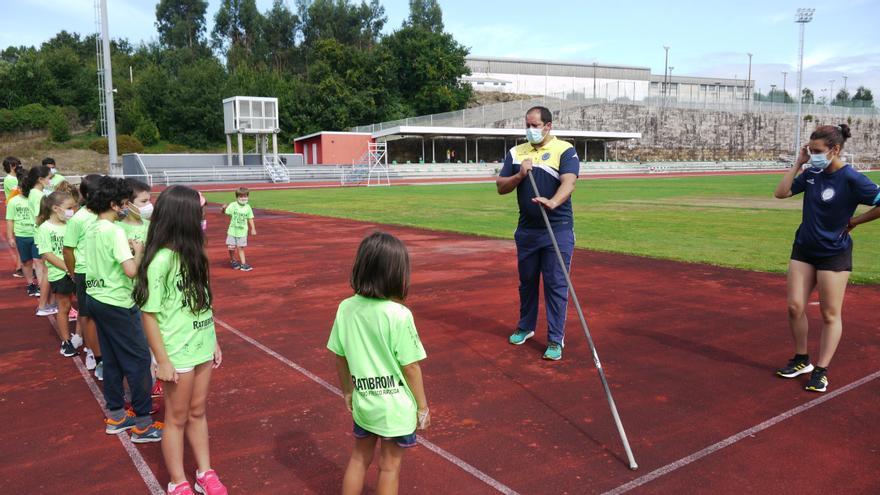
<point x="428" y="131"/>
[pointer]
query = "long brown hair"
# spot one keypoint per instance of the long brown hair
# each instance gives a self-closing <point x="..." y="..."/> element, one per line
<point x="381" y="268"/>
<point x="57" y="198"/>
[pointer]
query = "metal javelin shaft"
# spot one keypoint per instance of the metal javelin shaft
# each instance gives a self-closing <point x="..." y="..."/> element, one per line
<point x="577" y="305"/>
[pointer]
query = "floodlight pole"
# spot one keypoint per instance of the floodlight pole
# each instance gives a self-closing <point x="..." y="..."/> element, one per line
<point x="749" y="82"/>
<point x="665" y="71"/>
<point x="784" y="77"/>
<point x="803" y="17"/>
<point x="108" y="90"/>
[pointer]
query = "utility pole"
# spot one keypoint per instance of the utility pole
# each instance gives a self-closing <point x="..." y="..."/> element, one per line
<point x="749" y="79"/>
<point x="831" y="92"/>
<point x="803" y="17"/>
<point x="665" y="71"/>
<point x="594" y="80"/>
<point x="784" y="76"/>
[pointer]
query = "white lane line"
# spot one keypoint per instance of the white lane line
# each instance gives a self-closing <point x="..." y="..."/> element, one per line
<point x="684" y="461"/>
<point x="139" y="463"/>
<point x="485" y="478"/>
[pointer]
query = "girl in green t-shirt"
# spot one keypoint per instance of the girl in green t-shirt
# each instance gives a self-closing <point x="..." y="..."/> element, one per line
<point x="377" y="358"/>
<point x="55" y="210"/>
<point x="174" y="293"/>
<point x="32" y="188"/>
<point x="10" y="183"/>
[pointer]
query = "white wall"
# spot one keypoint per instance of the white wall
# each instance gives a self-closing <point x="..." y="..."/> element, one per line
<point x="540" y="85"/>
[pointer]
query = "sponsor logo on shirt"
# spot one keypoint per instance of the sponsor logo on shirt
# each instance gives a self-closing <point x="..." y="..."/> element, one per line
<point x="811" y="181"/>
<point x="827" y="194"/>
<point x="203" y="324"/>
<point x="377" y="385"/>
<point x="95" y="283"/>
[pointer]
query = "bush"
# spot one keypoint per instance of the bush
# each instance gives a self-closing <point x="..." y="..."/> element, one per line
<point x="128" y="144"/>
<point x="8" y="122"/>
<point x="147" y="133"/>
<point x="100" y="145"/>
<point x="59" y="128"/>
<point x="175" y="148"/>
<point x="33" y="116"/>
<point x="124" y="144"/>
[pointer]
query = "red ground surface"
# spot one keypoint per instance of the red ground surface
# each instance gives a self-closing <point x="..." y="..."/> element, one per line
<point x="688" y="349"/>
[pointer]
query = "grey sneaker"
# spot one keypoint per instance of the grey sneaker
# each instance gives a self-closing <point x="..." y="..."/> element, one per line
<point x="152" y="433"/>
<point x="245" y="267"/>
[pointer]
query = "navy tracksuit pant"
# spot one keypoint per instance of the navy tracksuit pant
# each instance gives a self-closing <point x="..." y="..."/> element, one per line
<point x="536" y="259"/>
<point x="125" y="355"/>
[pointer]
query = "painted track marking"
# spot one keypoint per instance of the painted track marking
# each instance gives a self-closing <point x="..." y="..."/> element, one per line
<point x="485" y="478"/>
<point x="684" y="461"/>
<point x="136" y="458"/>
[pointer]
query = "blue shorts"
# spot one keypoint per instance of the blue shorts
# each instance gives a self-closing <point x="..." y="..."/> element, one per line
<point x="27" y="249"/>
<point x="405" y="441"/>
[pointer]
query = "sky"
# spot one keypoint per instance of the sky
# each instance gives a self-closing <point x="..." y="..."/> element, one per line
<point x="706" y="38"/>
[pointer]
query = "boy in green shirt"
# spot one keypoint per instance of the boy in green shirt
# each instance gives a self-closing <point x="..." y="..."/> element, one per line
<point x="136" y="222"/>
<point x="54" y="177"/>
<point x="241" y="217"/>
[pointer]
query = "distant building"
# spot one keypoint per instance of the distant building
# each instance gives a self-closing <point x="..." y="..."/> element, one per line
<point x="595" y="80"/>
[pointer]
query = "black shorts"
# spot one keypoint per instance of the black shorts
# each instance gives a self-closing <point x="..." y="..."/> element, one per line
<point x="81" y="296"/>
<point x="841" y="262"/>
<point x="63" y="285"/>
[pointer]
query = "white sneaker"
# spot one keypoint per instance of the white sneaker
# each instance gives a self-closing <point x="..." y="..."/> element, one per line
<point x="76" y="340"/>
<point x="90" y="359"/>
<point x="47" y="311"/>
<point x="99" y="372"/>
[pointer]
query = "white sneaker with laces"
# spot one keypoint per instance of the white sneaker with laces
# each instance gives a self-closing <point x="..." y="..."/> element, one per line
<point x="99" y="372"/>
<point x="90" y="359"/>
<point x="47" y="311"/>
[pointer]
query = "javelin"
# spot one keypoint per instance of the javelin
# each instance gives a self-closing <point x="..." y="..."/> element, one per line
<point x="577" y="305"/>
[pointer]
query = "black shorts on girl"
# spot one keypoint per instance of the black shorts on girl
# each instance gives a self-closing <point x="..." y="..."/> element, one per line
<point x="841" y="262"/>
<point x="81" y="296"/>
<point x="63" y="285"/>
<point x="405" y="441"/>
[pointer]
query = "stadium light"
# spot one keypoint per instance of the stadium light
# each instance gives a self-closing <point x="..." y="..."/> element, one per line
<point x="749" y="80"/>
<point x="803" y="17"/>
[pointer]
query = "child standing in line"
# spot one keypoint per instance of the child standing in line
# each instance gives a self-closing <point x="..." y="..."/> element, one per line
<point x="75" y="259"/>
<point x="10" y="183"/>
<point x="377" y="352"/>
<point x="242" y="217"/>
<point x="55" y="210"/>
<point x="32" y="188"/>
<point x="20" y="233"/>
<point x="54" y="177"/>
<point x="111" y="266"/>
<point x="136" y="221"/>
<point x="174" y="292"/>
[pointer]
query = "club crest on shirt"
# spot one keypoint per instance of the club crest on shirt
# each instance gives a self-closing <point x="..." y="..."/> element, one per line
<point x="545" y="156"/>
<point x="827" y="194"/>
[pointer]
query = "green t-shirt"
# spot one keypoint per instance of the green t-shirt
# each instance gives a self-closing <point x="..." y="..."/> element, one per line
<point x="50" y="239"/>
<point x="34" y="198"/>
<point x="53" y="182"/>
<point x="10" y="182"/>
<point x="189" y="338"/>
<point x="377" y="337"/>
<point x="75" y="236"/>
<point x="135" y="232"/>
<point x="106" y="247"/>
<point x="238" y="224"/>
<point x="19" y="211"/>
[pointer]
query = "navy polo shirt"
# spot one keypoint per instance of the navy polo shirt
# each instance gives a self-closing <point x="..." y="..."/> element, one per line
<point x="830" y="199"/>
<point x="549" y="162"/>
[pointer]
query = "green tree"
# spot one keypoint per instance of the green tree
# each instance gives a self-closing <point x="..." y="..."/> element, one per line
<point x="345" y="22"/>
<point x="181" y="23"/>
<point x="807" y="96"/>
<point x="842" y="98"/>
<point x="278" y="43"/>
<point x="863" y="97"/>
<point x="429" y="69"/>
<point x="425" y="14"/>
<point x="238" y="26"/>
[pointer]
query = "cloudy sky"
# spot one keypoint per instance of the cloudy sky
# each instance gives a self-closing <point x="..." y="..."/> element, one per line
<point x="706" y="38"/>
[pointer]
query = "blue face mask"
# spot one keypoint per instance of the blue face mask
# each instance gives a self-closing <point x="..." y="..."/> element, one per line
<point x="535" y="136"/>
<point x="819" y="161"/>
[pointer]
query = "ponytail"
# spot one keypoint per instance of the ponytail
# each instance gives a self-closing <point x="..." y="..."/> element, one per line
<point x="57" y="198"/>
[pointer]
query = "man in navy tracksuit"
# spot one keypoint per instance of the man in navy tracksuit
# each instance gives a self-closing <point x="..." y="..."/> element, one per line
<point x="555" y="166"/>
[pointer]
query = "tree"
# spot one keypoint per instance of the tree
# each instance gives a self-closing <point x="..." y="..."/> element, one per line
<point x="278" y="43"/>
<point x="425" y="14"/>
<point x="349" y="24"/>
<point x="429" y="69"/>
<point x="181" y="23"/>
<point x="863" y="97"/>
<point x="237" y="27"/>
<point x="807" y="96"/>
<point x="842" y="98"/>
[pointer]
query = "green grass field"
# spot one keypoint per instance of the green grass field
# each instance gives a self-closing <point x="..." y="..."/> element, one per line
<point x="730" y="221"/>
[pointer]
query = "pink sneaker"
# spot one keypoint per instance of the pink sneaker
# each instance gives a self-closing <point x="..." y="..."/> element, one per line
<point x="210" y="484"/>
<point x="181" y="489"/>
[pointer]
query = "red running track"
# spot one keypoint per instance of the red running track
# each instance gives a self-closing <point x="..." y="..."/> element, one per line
<point x="689" y="351"/>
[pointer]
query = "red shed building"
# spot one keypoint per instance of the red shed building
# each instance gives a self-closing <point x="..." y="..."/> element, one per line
<point x="332" y="148"/>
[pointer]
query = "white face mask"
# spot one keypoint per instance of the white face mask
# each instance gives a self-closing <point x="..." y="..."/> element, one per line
<point x="204" y="225"/>
<point x="146" y="211"/>
<point x="51" y="172"/>
<point x="68" y="214"/>
<point x="242" y="201"/>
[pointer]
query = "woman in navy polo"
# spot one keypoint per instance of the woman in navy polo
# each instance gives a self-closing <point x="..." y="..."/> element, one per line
<point x="821" y="256"/>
